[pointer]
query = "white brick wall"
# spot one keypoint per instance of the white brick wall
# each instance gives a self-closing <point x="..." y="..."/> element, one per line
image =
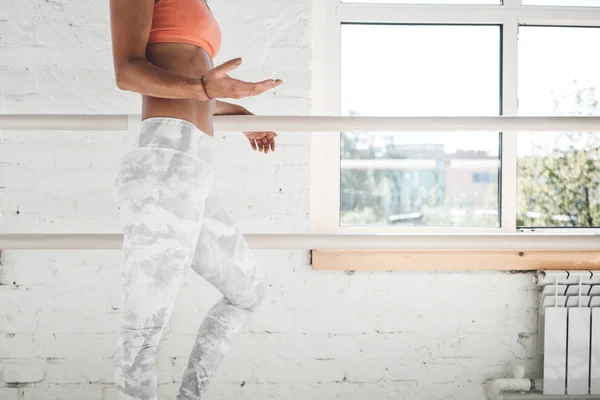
<point x="319" y="335"/>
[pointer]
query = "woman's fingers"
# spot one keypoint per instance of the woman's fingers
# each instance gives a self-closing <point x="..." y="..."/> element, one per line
<point x="245" y="89"/>
<point x="217" y="84"/>
<point x="252" y="143"/>
<point x="227" y="66"/>
<point x="262" y="141"/>
<point x="255" y="141"/>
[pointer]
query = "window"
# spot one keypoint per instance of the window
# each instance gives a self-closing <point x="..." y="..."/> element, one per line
<point x="559" y="173"/>
<point x="456" y="58"/>
<point x="387" y="176"/>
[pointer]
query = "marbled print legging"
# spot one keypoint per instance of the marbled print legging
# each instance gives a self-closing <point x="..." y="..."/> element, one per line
<point x="172" y="219"/>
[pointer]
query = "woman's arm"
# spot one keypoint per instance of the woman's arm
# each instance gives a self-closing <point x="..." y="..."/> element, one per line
<point x="223" y="108"/>
<point x="131" y="22"/>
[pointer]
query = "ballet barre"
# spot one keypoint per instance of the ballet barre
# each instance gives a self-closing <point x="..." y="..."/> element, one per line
<point x="105" y="122"/>
<point x="307" y="241"/>
<point x="336" y="241"/>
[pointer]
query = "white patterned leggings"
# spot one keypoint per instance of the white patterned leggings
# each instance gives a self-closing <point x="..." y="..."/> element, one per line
<point x="172" y="219"/>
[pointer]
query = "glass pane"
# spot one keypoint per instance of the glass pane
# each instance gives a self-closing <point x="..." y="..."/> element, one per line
<point x="559" y="173"/>
<point x="569" y="3"/>
<point x="426" y="179"/>
<point x="430" y="2"/>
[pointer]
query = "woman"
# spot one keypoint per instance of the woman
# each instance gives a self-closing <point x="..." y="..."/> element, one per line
<point x="172" y="219"/>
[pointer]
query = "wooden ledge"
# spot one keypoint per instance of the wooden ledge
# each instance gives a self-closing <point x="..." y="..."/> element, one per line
<point x="453" y="260"/>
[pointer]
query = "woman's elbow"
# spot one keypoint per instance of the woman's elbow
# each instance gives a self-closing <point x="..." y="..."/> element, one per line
<point x="121" y="84"/>
<point x="122" y="77"/>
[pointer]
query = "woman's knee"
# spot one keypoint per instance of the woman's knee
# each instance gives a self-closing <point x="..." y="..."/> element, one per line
<point x="260" y="291"/>
<point x="250" y="297"/>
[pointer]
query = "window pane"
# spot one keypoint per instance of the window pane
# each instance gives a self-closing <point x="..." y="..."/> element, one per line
<point x="430" y="2"/>
<point x="559" y="173"/>
<point x="431" y="179"/>
<point x="570" y="3"/>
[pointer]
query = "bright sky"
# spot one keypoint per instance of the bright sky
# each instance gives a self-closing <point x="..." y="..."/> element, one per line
<point x="413" y="70"/>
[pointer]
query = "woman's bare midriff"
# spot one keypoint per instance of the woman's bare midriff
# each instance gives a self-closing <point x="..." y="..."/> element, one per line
<point x="186" y="60"/>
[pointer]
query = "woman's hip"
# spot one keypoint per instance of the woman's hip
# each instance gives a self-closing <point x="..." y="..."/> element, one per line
<point x="168" y="156"/>
<point x="177" y="135"/>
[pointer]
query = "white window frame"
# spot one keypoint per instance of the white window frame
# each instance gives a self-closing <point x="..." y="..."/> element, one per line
<point x="329" y="15"/>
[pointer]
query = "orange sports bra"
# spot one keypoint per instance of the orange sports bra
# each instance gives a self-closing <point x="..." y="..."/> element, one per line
<point x="185" y="21"/>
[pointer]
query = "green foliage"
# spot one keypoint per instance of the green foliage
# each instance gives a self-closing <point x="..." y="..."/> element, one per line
<point x="559" y="183"/>
<point x="562" y="188"/>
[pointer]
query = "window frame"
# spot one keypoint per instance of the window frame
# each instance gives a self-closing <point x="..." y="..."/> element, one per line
<point x="329" y="15"/>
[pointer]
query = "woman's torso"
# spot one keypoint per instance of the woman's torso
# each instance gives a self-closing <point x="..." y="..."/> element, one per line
<point x="184" y="59"/>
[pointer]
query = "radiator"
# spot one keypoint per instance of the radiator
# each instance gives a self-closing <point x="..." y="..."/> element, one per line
<point x="570" y="331"/>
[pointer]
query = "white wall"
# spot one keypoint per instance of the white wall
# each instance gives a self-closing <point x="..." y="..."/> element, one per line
<point x="319" y="335"/>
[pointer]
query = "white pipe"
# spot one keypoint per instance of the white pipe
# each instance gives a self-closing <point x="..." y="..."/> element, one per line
<point x="499" y="386"/>
<point x="318" y="123"/>
<point x="517" y="383"/>
<point x="516" y="242"/>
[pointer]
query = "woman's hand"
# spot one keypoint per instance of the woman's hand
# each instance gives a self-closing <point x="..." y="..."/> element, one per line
<point x="217" y="84"/>
<point x="262" y="141"/>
